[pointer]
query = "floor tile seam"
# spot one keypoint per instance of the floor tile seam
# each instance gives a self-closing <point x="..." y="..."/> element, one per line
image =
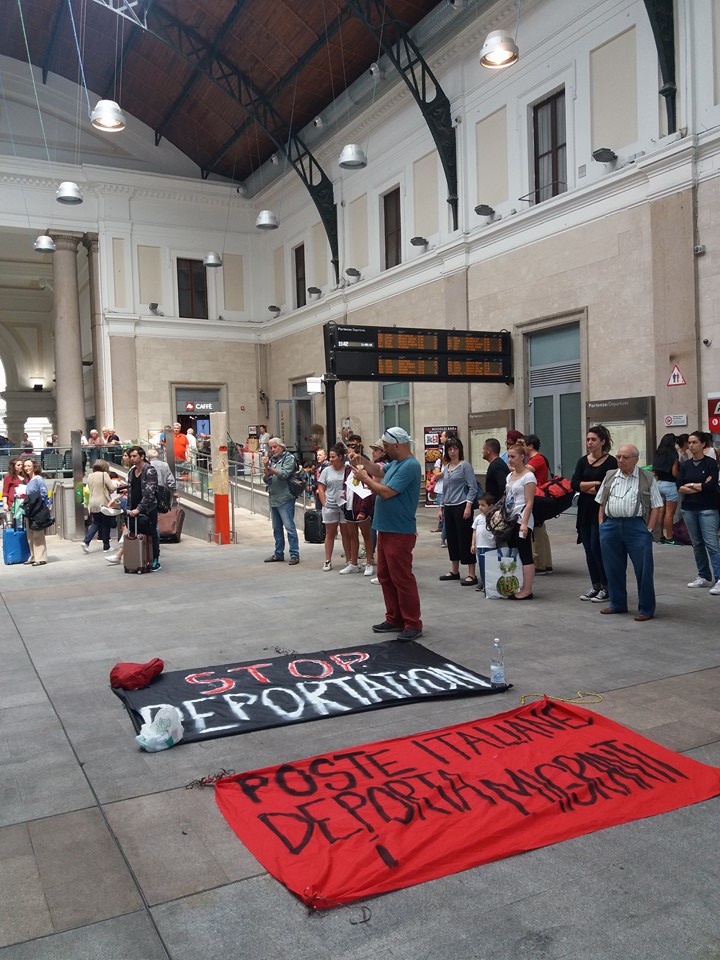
<point x="217" y="886"/>
<point x="668" y="679"/>
<point x="80" y="926"/>
<point x="97" y="805"/>
<point x="47" y="816"/>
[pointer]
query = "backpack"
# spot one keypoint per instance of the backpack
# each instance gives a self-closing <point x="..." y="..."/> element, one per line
<point x="164" y="499"/>
<point x="298" y="480"/>
<point x="552" y="498"/>
<point x="135" y="676"/>
<point x="499" y="522"/>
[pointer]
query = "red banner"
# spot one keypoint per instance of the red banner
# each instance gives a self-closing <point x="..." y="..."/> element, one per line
<point x="341" y="826"/>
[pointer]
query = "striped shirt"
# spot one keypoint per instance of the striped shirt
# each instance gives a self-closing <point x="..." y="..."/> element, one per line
<point x="624" y="499"/>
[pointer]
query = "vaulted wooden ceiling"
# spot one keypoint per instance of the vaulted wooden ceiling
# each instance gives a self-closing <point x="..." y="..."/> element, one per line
<point x="223" y="80"/>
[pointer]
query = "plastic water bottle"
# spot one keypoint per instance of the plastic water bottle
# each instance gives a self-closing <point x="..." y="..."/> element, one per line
<point x="497" y="666"/>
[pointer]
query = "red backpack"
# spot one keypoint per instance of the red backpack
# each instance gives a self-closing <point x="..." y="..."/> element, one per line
<point x="135" y="676"/>
<point x="552" y="498"/>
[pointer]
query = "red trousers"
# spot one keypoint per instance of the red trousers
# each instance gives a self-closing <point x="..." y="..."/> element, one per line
<point x="399" y="586"/>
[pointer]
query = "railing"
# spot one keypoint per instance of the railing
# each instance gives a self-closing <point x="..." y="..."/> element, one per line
<point x="57" y="461"/>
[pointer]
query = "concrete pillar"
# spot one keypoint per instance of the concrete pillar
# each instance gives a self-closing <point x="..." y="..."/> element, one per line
<point x="15" y="427"/>
<point x="90" y="242"/>
<point x="672" y="224"/>
<point x="68" y="349"/>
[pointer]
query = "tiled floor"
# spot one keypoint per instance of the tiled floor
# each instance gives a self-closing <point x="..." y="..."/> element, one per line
<point x="105" y="854"/>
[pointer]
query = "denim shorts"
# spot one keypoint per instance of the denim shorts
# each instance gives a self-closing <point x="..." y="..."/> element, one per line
<point x="333" y="515"/>
<point x="668" y="490"/>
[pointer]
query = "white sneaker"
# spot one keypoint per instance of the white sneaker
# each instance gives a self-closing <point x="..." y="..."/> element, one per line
<point x="114" y="559"/>
<point x="85" y="547"/>
<point x="701" y="582"/>
<point x="716" y="590"/>
<point x="369" y="570"/>
<point x="327" y="566"/>
<point x="351" y="568"/>
<point x="375" y="581"/>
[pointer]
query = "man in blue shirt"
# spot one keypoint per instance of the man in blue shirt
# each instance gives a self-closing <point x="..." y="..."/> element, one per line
<point x="398" y="492"/>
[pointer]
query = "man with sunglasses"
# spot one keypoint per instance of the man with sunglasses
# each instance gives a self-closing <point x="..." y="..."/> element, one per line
<point x="398" y="490"/>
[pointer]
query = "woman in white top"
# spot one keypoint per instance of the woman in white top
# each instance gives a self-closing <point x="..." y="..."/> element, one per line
<point x="331" y="494"/>
<point x="520" y="486"/>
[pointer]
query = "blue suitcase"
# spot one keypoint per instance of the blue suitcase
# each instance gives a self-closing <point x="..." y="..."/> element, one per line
<point x="15" y="546"/>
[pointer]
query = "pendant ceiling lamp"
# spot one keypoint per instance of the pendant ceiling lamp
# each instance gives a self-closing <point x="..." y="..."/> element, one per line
<point x="499" y="50"/>
<point x="352" y="157"/>
<point x="44" y="244"/>
<point x="108" y="116"/>
<point x="69" y="192"/>
<point x="266" y="220"/>
<point x="212" y="259"/>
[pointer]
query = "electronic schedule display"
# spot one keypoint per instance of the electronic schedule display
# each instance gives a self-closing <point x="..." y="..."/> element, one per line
<point x="382" y="353"/>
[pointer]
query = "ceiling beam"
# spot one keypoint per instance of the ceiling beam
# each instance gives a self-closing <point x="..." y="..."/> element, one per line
<point x="662" y="20"/>
<point x="275" y="90"/>
<point x="53" y="41"/>
<point x="196" y="74"/>
<point x="407" y="59"/>
<point x="120" y="55"/>
<point x="224" y="74"/>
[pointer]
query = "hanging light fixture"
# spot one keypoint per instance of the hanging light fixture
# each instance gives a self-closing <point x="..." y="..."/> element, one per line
<point x="108" y="116"/>
<point x="212" y="259"/>
<point x="266" y="220"/>
<point x="44" y="244"/>
<point x="499" y="50"/>
<point x="68" y="192"/>
<point x="352" y="157"/>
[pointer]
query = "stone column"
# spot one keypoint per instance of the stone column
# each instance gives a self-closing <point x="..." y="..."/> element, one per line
<point x="90" y="242"/>
<point x="68" y="348"/>
<point x="15" y="427"/>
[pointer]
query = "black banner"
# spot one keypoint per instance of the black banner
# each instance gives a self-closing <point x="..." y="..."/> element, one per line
<point x="271" y="692"/>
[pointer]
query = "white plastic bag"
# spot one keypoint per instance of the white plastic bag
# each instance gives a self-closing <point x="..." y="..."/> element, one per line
<point x="165" y="730"/>
<point x="503" y="573"/>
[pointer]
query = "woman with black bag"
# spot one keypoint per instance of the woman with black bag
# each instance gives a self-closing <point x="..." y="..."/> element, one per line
<point x="37" y="514"/>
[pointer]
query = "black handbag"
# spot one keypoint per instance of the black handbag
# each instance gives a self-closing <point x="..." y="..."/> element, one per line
<point x="500" y="523"/>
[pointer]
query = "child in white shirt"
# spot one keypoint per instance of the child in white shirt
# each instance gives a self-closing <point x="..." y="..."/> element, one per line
<point x="482" y="539"/>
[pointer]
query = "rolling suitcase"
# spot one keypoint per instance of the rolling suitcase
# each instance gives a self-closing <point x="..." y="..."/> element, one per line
<point x="170" y="524"/>
<point x="314" y="527"/>
<point x="137" y="550"/>
<point x="15" y="546"/>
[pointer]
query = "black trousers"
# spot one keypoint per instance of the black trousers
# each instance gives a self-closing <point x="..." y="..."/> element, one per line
<point x="458" y="533"/>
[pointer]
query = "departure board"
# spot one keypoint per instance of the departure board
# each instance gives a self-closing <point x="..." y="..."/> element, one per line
<point x="407" y="367"/>
<point x="474" y="343"/>
<point x="396" y="340"/>
<point x="384" y="353"/>
<point x="473" y="369"/>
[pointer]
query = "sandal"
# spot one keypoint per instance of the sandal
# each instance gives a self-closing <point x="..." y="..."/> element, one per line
<point x="470" y="582"/>
<point x="449" y="576"/>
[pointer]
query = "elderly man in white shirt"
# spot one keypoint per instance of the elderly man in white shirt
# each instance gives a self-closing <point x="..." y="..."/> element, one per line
<point x="630" y="506"/>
